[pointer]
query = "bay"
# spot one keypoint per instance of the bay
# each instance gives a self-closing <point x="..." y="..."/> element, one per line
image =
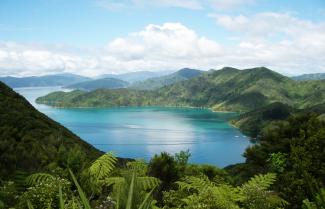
<point x="142" y="132"/>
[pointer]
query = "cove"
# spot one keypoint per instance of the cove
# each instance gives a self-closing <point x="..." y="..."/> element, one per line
<point x="142" y="132"/>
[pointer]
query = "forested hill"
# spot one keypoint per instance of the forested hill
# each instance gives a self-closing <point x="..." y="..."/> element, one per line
<point x="228" y="89"/>
<point x="30" y="141"/>
<point x="158" y="82"/>
<point x="104" y="83"/>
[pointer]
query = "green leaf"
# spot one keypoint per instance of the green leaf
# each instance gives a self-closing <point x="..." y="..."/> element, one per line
<point x="81" y="193"/>
<point x="61" y="197"/>
<point x="130" y="195"/>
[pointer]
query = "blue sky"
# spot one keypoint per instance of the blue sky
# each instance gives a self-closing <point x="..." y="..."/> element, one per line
<point x="105" y="36"/>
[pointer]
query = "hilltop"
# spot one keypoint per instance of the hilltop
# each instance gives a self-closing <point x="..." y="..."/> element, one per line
<point x="104" y="83"/>
<point x="158" y="82"/>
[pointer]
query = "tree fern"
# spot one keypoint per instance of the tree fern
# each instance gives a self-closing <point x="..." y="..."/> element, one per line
<point x="147" y="182"/>
<point x="102" y="167"/>
<point x="261" y="181"/>
<point x="38" y="178"/>
<point x="196" y="183"/>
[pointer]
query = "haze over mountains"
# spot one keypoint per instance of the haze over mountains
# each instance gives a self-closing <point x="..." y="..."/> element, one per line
<point x="313" y="76"/>
<point x="47" y="80"/>
<point x="141" y="80"/>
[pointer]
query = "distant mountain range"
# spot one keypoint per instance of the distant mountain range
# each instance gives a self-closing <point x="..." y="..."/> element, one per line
<point x="135" y="76"/>
<point x="104" y="83"/>
<point x="228" y="89"/>
<point x="304" y="77"/>
<point x="158" y="82"/>
<point x="48" y="80"/>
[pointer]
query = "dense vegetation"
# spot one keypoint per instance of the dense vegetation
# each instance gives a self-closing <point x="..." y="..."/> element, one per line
<point x="228" y="89"/>
<point x="285" y="170"/>
<point x="158" y="82"/>
<point x="48" y="80"/>
<point x="30" y="141"/>
<point x="295" y="150"/>
<point x="104" y="83"/>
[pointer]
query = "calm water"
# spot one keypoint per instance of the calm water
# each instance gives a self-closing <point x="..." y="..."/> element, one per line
<point x="143" y="132"/>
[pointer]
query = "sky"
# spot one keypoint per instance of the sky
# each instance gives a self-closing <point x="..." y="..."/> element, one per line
<point x="94" y="37"/>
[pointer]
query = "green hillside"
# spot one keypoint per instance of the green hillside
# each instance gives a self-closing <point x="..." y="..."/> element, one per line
<point x="158" y="82"/>
<point x="105" y="83"/>
<point x="30" y="141"/>
<point x="251" y="123"/>
<point x="228" y="89"/>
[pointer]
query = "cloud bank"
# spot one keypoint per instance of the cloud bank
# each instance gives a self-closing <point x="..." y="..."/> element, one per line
<point x="276" y="40"/>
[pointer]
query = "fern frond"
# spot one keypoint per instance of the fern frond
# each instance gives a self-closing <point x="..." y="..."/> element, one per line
<point x="38" y="178"/>
<point x="147" y="182"/>
<point x="263" y="182"/>
<point x="197" y="183"/>
<point x="114" y="181"/>
<point x="102" y="167"/>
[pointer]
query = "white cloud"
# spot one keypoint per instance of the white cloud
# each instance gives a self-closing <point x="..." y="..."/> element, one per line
<point x="262" y="40"/>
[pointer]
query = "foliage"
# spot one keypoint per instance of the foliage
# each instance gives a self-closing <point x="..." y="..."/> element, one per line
<point x="30" y="141"/>
<point x="294" y="149"/>
<point x="43" y="192"/>
<point x="200" y="192"/>
<point x="164" y="167"/>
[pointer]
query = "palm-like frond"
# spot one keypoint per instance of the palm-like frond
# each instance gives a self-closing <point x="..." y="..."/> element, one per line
<point x="147" y="182"/>
<point x="263" y="182"/>
<point x="102" y="167"/>
<point x="196" y="183"/>
<point x="38" y="178"/>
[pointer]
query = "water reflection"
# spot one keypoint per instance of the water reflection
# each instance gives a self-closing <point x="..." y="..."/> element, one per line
<point x="143" y="132"/>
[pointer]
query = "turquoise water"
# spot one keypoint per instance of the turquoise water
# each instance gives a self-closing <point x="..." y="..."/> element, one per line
<point x="141" y="132"/>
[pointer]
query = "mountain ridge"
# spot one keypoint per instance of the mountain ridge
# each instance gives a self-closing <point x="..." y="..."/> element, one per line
<point x="104" y="83"/>
<point x="221" y="90"/>
<point x="158" y="82"/>
<point x="42" y="81"/>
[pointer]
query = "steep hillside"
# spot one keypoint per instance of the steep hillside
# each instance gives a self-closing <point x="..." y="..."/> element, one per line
<point x="251" y="123"/>
<point x="158" y="82"/>
<point x="227" y="89"/>
<point x="29" y="140"/>
<point x="305" y="77"/>
<point x="48" y="80"/>
<point x="105" y="83"/>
